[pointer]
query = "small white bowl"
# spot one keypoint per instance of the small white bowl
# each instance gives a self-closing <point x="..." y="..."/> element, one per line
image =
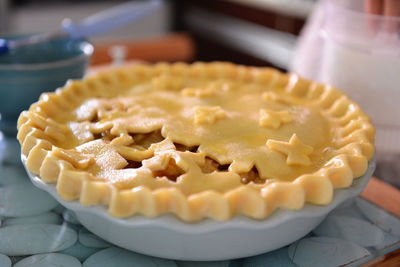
<point x="207" y="240"/>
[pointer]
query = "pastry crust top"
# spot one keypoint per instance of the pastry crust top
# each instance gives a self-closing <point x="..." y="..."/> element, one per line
<point x="202" y="140"/>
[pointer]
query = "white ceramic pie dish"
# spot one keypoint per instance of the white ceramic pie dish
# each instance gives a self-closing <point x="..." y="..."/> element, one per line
<point x="168" y="237"/>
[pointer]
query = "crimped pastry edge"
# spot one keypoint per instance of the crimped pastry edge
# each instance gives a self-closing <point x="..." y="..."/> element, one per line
<point x="355" y="149"/>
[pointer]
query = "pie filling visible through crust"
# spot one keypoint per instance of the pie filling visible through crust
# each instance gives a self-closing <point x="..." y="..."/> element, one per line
<point x="202" y="140"/>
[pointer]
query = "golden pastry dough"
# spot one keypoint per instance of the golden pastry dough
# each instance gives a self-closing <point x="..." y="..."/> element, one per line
<point x="274" y="119"/>
<point x="202" y="140"/>
<point x="297" y="153"/>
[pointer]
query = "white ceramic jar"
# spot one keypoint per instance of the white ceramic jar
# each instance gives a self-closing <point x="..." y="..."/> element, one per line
<point x="358" y="53"/>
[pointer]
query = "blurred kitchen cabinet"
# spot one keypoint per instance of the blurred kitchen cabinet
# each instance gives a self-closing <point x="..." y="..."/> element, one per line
<point x="255" y="32"/>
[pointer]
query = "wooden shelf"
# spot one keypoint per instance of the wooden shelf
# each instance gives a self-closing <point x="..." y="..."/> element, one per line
<point x="170" y="48"/>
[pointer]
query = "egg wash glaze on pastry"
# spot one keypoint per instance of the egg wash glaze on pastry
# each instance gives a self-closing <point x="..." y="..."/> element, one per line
<point x="202" y="140"/>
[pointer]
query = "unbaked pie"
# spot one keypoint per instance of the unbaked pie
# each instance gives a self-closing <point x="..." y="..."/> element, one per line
<point x="202" y="140"/>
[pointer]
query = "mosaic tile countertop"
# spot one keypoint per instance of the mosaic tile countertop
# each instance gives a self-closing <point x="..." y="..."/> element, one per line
<point x="36" y="231"/>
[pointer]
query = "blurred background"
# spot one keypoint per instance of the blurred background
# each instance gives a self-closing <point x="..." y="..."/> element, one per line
<point x="251" y="32"/>
<point x="255" y="32"/>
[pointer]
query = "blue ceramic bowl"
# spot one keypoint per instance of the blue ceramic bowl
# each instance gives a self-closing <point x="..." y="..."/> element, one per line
<point x="28" y="71"/>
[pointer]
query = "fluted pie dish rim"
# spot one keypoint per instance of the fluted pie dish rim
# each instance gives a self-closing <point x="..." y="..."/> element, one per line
<point x="169" y="237"/>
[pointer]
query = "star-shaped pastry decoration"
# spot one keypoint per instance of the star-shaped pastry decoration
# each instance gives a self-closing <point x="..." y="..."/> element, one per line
<point x="274" y="119"/>
<point x="297" y="152"/>
<point x="208" y="114"/>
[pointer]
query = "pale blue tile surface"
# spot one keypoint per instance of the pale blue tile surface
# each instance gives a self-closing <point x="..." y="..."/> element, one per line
<point x="73" y="226"/>
<point x="91" y="240"/>
<point x="117" y="257"/>
<point x="15" y="259"/>
<point x="69" y="216"/>
<point x="325" y="252"/>
<point x="350" y="229"/>
<point x="79" y="251"/>
<point x="59" y="209"/>
<point x="24" y="200"/>
<point x="49" y="260"/>
<point x="279" y="257"/>
<point x="11" y="174"/>
<point x="4" y="261"/>
<point x="379" y="217"/>
<point x="27" y="239"/>
<point x="10" y="151"/>
<point x="48" y="218"/>
<point x="203" y="263"/>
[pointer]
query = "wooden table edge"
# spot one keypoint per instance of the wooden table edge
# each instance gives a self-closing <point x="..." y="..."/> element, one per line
<point x="383" y="195"/>
<point x="388" y="198"/>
